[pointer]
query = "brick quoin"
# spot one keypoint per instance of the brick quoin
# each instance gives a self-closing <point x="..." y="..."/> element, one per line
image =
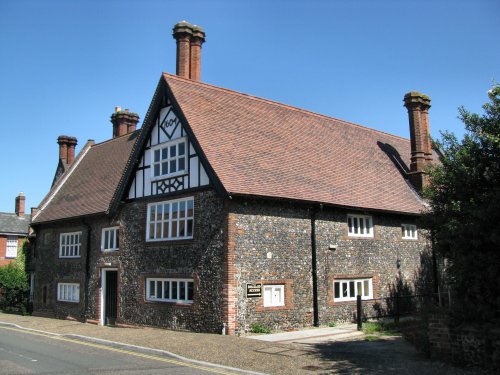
<point x="229" y="283"/>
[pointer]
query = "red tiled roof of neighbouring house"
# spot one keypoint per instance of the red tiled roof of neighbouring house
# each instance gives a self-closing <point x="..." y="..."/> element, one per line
<point x="262" y="148"/>
<point x="89" y="184"/>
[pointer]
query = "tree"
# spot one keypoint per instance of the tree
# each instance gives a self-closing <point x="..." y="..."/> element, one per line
<point x="464" y="195"/>
<point x="14" y="286"/>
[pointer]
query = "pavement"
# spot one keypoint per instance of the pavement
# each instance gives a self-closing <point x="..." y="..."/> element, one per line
<point x="327" y="350"/>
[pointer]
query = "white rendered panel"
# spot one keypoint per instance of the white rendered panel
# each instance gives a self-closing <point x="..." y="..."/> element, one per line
<point x="203" y="176"/>
<point x="194" y="172"/>
<point x="139" y="185"/>
<point x="131" y="191"/>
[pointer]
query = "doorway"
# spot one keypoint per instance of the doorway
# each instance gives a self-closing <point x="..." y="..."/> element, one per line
<point x="109" y="297"/>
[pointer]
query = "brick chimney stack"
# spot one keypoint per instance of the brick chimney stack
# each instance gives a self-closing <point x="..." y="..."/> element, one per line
<point x="189" y="40"/>
<point x="20" y="202"/>
<point x="418" y="106"/>
<point x="124" y="122"/>
<point x="67" y="148"/>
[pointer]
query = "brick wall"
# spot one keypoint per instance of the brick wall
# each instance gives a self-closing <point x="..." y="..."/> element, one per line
<point x="273" y="245"/>
<point x="50" y="270"/>
<point x="464" y="345"/>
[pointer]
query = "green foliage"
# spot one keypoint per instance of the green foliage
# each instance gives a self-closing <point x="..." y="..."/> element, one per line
<point x="381" y="327"/>
<point x="259" y="328"/>
<point x="14" y="288"/>
<point x="332" y="324"/>
<point x="464" y="195"/>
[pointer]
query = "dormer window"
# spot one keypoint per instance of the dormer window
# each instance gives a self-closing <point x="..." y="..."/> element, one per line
<point x="169" y="159"/>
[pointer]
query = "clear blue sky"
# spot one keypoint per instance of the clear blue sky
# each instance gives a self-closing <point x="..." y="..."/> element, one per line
<point x="65" y="65"/>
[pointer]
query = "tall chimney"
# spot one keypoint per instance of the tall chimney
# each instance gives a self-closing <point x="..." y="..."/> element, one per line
<point x="182" y="33"/>
<point x="418" y="106"/>
<point x="20" y="201"/>
<point x="67" y="148"/>
<point x="197" y="40"/>
<point x="62" y="140"/>
<point x="124" y="122"/>
<point x="72" y="142"/>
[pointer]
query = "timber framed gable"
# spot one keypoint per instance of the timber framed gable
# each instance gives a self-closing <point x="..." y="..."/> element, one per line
<point x="167" y="144"/>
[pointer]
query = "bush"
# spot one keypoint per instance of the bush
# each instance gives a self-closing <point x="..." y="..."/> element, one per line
<point x="259" y="328"/>
<point x="14" y="288"/>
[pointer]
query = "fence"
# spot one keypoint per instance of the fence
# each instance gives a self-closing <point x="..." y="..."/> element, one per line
<point x="397" y="306"/>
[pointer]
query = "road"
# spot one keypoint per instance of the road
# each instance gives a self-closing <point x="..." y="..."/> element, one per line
<point x="28" y="352"/>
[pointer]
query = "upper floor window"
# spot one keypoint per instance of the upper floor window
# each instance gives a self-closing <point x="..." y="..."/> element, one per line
<point x="169" y="290"/>
<point x="12" y="244"/>
<point x="274" y="295"/>
<point x="110" y="239"/>
<point x="68" y="292"/>
<point x="360" y="225"/>
<point x="169" y="159"/>
<point x="349" y="289"/>
<point x="69" y="245"/>
<point x="170" y="220"/>
<point x="409" y="231"/>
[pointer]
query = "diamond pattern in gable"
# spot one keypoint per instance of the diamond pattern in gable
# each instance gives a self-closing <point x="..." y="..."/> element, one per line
<point x="169" y="123"/>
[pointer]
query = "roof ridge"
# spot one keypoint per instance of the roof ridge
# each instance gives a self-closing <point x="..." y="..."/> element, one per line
<point x="273" y="102"/>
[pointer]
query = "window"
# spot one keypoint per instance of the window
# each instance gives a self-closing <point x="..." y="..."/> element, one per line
<point x="169" y="159"/>
<point x="349" y="289"/>
<point x="170" y="220"/>
<point x="169" y="290"/>
<point x="68" y="292"/>
<point x="360" y="226"/>
<point x="69" y="246"/>
<point x="11" y="251"/>
<point x="409" y="231"/>
<point x="110" y="239"/>
<point x="274" y="295"/>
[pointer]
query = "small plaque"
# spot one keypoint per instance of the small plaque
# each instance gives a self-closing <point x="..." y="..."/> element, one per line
<point x="254" y="290"/>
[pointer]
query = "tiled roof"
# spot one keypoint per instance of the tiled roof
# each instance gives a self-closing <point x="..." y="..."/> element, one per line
<point x="262" y="148"/>
<point x="88" y="186"/>
<point x="10" y="223"/>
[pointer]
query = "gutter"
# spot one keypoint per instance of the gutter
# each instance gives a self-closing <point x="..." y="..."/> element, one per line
<point x="314" y="269"/>
<point x="87" y="269"/>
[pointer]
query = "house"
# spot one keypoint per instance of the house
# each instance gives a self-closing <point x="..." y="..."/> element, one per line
<point x="14" y="229"/>
<point x="224" y="210"/>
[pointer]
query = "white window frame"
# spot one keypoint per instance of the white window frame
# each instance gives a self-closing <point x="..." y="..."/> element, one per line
<point x="110" y="236"/>
<point x="274" y="295"/>
<point x="359" y="226"/>
<point x="409" y="231"/>
<point x="157" y="223"/>
<point x="166" y="159"/>
<point x="12" y="247"/>
<point x="349" y="288"/>
<point x="162" y="290"/>
<point x="72" y="248"/>
<point x="68" y="292"/>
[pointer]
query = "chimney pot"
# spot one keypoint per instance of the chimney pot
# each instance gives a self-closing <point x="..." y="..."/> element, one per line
<point x="418" y="105"/>
<point x="189" y="41"/>
<point x="124" y="122"/>
<point x="20" y="202"/>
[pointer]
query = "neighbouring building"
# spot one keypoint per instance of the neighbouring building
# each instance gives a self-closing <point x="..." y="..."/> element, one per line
<point x="14" y="229"/>
<point x="225" y="210"/>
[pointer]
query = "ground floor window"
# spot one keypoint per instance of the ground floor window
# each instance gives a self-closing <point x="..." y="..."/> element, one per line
<point x="68" y="292"/>
<point x="169" y="290"/>
<point x="349" y="289"/>
<point x="274" y="295"/>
